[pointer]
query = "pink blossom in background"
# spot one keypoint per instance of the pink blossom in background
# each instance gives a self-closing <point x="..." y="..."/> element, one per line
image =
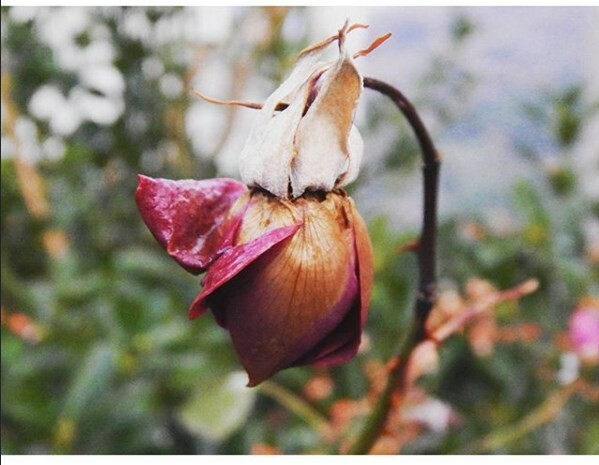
<point x="584" y="331"/>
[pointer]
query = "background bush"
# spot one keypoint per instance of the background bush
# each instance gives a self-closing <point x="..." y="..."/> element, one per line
<point x="97" y="355"/>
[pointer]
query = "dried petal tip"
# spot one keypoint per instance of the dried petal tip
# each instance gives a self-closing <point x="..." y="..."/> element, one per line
<point x="373" y="46"/>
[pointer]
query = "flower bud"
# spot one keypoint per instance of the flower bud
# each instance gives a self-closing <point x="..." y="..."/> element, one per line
<point x="287" y="256"/>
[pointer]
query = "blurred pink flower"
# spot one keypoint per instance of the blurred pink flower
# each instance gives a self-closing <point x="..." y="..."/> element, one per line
<point x="584" y="331"/>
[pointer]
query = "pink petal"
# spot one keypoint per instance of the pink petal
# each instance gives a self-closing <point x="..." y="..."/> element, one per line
<point x="584" y="331"/>
<point x="193" y="220"/>
<point x="233" y="261"/>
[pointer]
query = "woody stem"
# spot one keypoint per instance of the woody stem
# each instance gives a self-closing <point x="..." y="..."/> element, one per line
<point x="426" y="254"/>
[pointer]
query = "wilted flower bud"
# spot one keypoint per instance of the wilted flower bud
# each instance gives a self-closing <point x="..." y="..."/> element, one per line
<point x="312" y="144"/>
<point x="287" y="256"/>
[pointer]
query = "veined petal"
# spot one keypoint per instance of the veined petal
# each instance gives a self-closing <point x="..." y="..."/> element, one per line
<point x="343" y="342"/>
<point x="339" y="345"/>
<point x="233" y="261"/>
<point x="282" y="305"/>
<point x="193" y="220"/>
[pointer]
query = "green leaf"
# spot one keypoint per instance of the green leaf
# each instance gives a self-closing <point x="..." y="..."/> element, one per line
<point x="218" y="408"/>
<point x="93" y="376"/>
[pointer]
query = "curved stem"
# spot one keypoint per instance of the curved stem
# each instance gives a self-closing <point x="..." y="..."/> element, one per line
<point x="427" y="264"/>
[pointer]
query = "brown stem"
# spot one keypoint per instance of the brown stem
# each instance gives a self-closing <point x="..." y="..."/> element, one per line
<point x="396" y="381"/>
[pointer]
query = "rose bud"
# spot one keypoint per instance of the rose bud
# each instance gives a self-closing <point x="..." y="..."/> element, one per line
<point x="287" y="257"/>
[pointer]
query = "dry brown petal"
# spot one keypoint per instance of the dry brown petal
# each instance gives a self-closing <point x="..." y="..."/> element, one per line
<point x="320" y="45"/>
<point x="373" y="46"/>
<point x="322" y="138"/>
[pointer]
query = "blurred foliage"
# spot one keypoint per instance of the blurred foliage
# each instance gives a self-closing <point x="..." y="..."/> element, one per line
<point x="97" y="355"/>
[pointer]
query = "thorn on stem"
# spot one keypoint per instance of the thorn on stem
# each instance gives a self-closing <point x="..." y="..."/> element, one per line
<point x="411" y="246"/>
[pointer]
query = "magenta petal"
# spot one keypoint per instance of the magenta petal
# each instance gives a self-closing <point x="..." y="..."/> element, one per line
<point x="193" y="220"/>
<point x="233" y="261"/>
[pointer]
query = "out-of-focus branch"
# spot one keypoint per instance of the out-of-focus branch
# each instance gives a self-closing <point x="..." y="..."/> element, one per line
<point x="29" y="180"/>
<point x="426" y="253"/>
<point x="543" y="414"/>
